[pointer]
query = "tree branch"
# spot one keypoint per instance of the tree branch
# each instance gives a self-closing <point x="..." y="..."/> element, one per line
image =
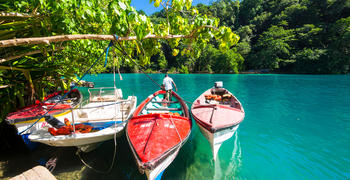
<point x="18" y="15"/>
<point x="25" y="54"/>
<point x="13" y="68"/>
<point x="48" y="40"/>
<point x="199" y="28"/>
<point x="5" y="86"/>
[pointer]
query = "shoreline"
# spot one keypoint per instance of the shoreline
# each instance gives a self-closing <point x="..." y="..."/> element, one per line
<point x="243" y="72"/>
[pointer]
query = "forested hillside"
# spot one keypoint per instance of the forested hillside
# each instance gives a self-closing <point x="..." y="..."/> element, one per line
<point x="289" y="36"/>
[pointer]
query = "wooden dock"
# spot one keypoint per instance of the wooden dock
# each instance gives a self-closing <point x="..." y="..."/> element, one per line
<point x="36" y="173"/>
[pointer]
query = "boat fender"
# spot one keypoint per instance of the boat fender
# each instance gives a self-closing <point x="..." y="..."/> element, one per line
<point x="54" y="122"/>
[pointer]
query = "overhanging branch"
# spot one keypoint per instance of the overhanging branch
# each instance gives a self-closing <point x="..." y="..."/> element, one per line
<point x="60" y="38"/>
<point x="48" y="40"/>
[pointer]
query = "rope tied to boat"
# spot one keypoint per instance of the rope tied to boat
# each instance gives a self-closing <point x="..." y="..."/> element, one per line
<point x="122" y="50"/>
<point x="72" y="88"/>
<point x="181" y="141"/>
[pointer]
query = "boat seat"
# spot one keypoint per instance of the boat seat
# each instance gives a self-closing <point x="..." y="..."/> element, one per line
<point x="218" y="91"/>
<point x="104" y="98"/>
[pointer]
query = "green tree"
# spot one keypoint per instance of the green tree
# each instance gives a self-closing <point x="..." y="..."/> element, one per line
<point x="273" y="48"/>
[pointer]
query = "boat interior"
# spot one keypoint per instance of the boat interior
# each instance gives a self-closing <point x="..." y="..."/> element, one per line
<point x="105" y="94"/>
<point x="73" y="98"/>
<point x="105" y="103"/>
<point x="159" y="104"/>
<point x="221" y="96"/>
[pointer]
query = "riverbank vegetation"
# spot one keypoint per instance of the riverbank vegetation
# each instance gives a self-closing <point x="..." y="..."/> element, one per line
<point x="290" y="36"/>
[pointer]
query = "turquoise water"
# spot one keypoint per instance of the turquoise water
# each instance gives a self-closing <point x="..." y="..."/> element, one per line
<point x="296" y="127"/>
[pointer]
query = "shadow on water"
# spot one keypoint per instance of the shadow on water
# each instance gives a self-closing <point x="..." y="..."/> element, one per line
<point x="124" y="165"/>
<point x="18" y="159"/>
<point x="185" y="158"/>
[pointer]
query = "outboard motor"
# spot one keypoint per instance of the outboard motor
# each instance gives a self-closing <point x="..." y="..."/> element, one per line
<point x="218" y="84"/>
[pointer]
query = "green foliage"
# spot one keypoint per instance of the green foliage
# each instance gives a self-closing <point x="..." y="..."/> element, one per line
<point x="294" y="36"/>
<point x="213" y="60"/>
<point x="163" y="64"/>
<point x="273" y="48"/>
<point x="309" y="60"/>
<point x="183" y="69"/>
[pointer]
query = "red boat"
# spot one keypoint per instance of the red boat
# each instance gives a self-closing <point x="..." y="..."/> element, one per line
<point x="218" y="113"/>
<point x="157" y="131"/>
<point x="26" y="116"/>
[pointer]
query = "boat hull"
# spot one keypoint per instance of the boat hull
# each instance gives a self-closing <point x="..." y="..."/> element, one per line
<point x="157" y="132"/>
<point x="100" y="115"/>
<point x="216" y="117"/>
<point x="75" y="139"/>
<point x="216" y="139"/>
<point x="157" y="172"/>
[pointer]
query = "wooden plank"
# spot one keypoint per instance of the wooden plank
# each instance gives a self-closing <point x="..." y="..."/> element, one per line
<point x="36" y="173"/>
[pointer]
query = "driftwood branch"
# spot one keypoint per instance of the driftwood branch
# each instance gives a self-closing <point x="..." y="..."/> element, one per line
<point x="60" y="38"/>
<point x="25" y="54"/>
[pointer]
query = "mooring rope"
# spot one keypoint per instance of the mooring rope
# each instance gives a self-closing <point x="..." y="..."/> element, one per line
<point x="73" y="87"/>
<point x="115" y="148"/>
<point x="122" y="50"/>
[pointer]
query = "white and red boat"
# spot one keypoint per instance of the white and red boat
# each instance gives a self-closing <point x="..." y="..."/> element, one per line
<point x="218" y="114"/>
<point x="106" y="112"/>
<point x="25" y="117"/>
<point x="157" y="131"/>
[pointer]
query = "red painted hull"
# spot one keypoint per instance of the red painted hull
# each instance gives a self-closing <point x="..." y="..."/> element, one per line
<point x="155" y="136"/>
<point x="40" y="108"/>
<point x="216" y="115"/>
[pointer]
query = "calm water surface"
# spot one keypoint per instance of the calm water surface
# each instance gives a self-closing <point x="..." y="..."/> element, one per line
<point x="296" y="127"/>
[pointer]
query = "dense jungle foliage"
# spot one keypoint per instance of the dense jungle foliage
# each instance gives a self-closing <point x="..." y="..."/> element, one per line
<point x="289" y="36"/>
